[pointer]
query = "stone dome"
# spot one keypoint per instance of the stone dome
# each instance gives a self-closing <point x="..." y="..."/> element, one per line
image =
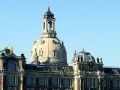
<point x="84" y="57"/>
<point x="49" y="49"/>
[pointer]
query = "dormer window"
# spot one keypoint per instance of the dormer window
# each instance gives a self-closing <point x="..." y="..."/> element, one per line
<point x="78" y="59"/>
<point x="81" y="59"/>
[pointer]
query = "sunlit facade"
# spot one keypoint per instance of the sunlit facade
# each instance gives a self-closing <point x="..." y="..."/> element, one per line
<point x="49" y="69"/>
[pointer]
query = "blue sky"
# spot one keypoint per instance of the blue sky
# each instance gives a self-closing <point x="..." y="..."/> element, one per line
<point x="90" y="24"/>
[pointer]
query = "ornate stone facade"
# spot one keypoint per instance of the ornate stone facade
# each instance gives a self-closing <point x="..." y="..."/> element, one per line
<point x="49" y="70"/>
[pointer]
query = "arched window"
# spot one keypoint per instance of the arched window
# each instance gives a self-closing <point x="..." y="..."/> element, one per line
<point x="41" y="53"/>
<point x="49" y="25"/>
<point x="11" y="65"/>
<point x="43" y="25"/>
<point x="55" y="52"/>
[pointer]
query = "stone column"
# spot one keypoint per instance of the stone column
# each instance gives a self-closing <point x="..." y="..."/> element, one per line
<point x="80" y="84"/>
<point x="76" y="83"/>
<point x="1" y="82"/>
<point x="100" y="84"/>
<point x="21" y="82"/>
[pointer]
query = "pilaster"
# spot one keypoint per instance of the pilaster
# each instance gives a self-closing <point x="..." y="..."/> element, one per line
<point x="1" y="82"/>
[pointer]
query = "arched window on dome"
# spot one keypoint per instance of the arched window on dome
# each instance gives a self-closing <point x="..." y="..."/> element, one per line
<point x="41" y="53"/>
<point x="55" y="52"/>
<point x="42" y="41"/>
<point x="43" y="25"/>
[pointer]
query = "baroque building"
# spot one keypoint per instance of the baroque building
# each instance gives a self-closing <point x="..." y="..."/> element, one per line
<point x="49" y="69"/>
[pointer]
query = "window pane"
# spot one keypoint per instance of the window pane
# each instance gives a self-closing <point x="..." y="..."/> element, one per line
<point x="55" y="81"/>
<point x="29" y="80"/>
<point x="10" y="80"/>
<point x="67" y="82"/>
<point x="43" y="81"/>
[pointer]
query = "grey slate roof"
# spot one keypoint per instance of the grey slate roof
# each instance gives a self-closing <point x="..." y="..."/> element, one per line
<point x="109" y="70"/>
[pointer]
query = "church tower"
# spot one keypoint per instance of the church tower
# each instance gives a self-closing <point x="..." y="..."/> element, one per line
<point x="49" y="49"/>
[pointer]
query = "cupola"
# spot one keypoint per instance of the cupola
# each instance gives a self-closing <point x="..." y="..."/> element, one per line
<point x="48" y="49"/>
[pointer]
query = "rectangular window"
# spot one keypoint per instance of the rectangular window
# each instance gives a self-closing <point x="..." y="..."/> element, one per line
<point x="66" y="82"/>
<point x="116" y="83"/>
<point x="12" y="80"/>
<point x="42" y="81"/>
<point x="55" y="82"/>
<point x="108" y="83"/>
<point x="91" y="82"/>
<point x="29" y="80"/>
<point x="104" y="83"/>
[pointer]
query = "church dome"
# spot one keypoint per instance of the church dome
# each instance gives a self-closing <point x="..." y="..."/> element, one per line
<point x="49" y="49"/>
<point x="84" y="57"/>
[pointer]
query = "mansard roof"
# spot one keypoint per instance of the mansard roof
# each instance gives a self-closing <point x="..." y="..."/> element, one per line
<point x="109" y="70"/>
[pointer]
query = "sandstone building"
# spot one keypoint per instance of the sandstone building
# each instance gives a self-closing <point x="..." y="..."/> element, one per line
<point x="49" y="69"/>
